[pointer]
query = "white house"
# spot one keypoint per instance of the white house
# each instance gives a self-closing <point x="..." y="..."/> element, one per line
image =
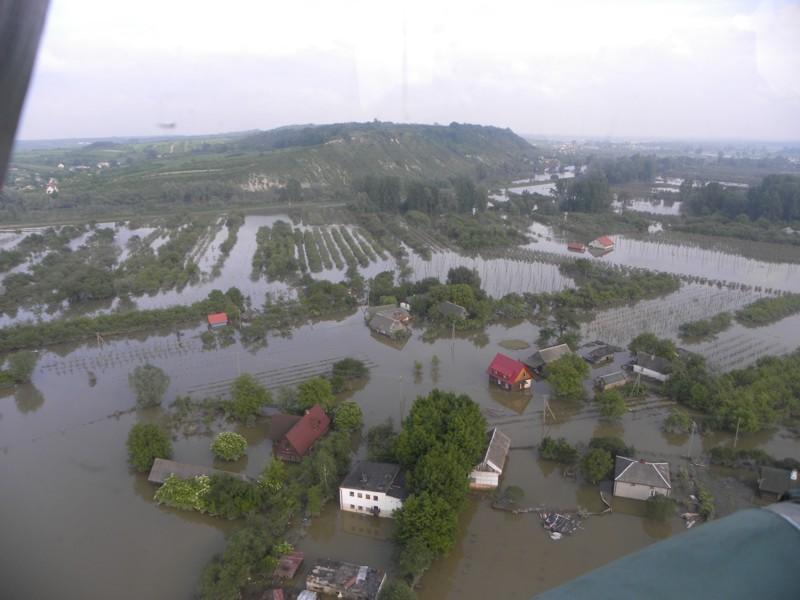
<point x="373" y="488"/>
<point x="639" y="479"/>
<point x="652" y="366"/>
<point x="486" y="476"/>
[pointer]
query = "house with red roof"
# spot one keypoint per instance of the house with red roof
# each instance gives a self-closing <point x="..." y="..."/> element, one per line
<point x="219" y="319"/>
<point x="293" y="446"/>
<point x="603" y="243"/>
<point x="509" y="374"/>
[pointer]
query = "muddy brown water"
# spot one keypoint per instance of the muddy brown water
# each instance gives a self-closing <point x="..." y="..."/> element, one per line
<point x="73" y="511"/>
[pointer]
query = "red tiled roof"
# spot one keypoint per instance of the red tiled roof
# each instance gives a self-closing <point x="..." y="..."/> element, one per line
<point x="308" y="429"/>
<point x="605" y="240"/>
<point x="505" y="368"/>
<point x="217" y="319"/>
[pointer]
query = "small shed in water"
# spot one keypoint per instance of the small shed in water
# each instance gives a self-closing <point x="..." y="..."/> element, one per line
<point x="651" y="366"/>
<point x="774" y="483"/>
<point x="601" y="354"/>
<point x="486" y="475"/>
<point x="389" y="320"/>
<point x="611" y="381"/>
<point x="604" y="243"/>
<point x="541" y="358"/>
<point x="639" y="479"/>
<point x="345" y="580"/>
<point x="508" y="373"/>
<point x="163" y="468"/>
<point x="453" y="310"/>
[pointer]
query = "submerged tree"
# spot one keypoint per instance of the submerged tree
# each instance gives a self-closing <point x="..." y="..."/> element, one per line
<point x="149" y="383"/>
<point x="147" y="442"/>
<point x="248" y="396"/>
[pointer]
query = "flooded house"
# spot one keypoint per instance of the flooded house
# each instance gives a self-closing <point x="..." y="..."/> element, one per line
<point x="391" y="321"/>
<point x="345" y="580"/>
<point x="302" y="435"/>
<point x="640" y="479"/>
<point x="453" y="310"/>
<point x="486" y="475"/>
<point x="373" y="488"/>
<point x="541" y="358"/>
<point x="774" y="484"/>
<point x="651" y="366"/>
<point x="603" y="243"/>
<point x="289" y="564"/>
<point x="600" y="355"/>
<point x="576" y="247"/>
<point x="219" y="319"/>
<point x="610" y="381"/>
<point x="509" y="374"/>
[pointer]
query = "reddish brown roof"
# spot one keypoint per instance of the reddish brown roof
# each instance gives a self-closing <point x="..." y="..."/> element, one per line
<point x="605" y="240"/>
<point x="308" y="429"/>
<point x="218" y="319"/>
<point x="288" y="564"/>
<point x="280" y="424"/>
<point x="505" y="368"/>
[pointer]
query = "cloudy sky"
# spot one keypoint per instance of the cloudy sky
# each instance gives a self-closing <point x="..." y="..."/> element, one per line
<point x="641" y="69"/>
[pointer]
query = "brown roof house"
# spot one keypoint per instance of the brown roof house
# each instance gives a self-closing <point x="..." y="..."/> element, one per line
<point x="298" y="440"/>
<point x="639" y="479"/>
<point x="486" y="475"/>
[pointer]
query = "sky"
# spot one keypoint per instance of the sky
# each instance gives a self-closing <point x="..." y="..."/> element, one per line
<point x="700" y="70"/>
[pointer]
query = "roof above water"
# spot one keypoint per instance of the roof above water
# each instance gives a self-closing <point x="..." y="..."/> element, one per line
<point x="628" y="470"/>
<point x="376" y="477"/>
<point x="308" y="429"/>
<point x="505" y="367"/>
<point x="547" y="355"/>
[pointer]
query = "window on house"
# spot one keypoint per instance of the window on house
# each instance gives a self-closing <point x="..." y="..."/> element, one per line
<point x="374" y="497"/>
<point x="351" y="494"/>
<point x="359" y="494"/>
<point x="352" y="506"/>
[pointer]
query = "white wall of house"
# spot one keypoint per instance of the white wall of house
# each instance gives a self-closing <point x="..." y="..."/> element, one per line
<point x="363" y="502"/>
<point x="484" y="480"/>
<point x="637" y="491"/>
<point x="649" y="373"/>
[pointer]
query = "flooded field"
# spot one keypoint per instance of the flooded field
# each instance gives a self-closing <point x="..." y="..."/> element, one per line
<point x="79" y="514"/>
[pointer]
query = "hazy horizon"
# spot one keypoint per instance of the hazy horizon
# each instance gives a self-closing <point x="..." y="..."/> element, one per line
<point x="712" y="71"/>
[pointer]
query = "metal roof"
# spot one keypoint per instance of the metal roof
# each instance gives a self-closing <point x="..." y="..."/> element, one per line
<point x="505" y="367"/>
<point x="308" y="429"/>
<point x="628" y="470"/>
<point x="777" y="481"/>
<point x="653" y="363"/>
<point x="163" y="468"/>
<point x="376" y="477"/>
<point x="547" y="355"/>
<point x="496" y="452"/>
<point x="614" y="377"/>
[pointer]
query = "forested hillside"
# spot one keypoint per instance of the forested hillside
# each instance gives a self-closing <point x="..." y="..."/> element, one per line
<point x="290" y="164"/>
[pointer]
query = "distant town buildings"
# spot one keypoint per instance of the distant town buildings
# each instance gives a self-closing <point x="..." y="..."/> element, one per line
<point x="51" y="187"/>
<point x="373" y="488"/>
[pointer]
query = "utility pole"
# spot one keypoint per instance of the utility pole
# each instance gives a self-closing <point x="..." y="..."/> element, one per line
<point x="691" y="440"/>
<point x="736" y="437"/>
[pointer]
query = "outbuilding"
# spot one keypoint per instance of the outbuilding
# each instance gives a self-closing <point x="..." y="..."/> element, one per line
<point x="486" y="475"/>
<point x="640" y="479"/>
<point x="541" y="358"/>
<point x="293" y="446"/>
<point x="453" y="310"/>
<point x="651" y="366"/>
<point x="219" y="319"/>
<point x="774" y="483"/>
<point x="610" y="381"/>
<point x="603" y="243"/>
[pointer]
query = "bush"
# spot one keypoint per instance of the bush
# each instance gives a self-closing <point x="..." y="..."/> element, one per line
<point x="21" y="366"/>
<point x="659" y="507"/>
<point x="566" y="376"/>
<point x="706" y="509"/>
<point x="315" y="391"/>
<point x="229" y="445"/>
<point x="147" y="442"/>
<point x="613" y="445"/>
<point x="149" y="383"/>
<point x="348" y="417"/>
<point x="558" y="450"/>
<point x="611" y="403"/>
<point x="596" y="464"/>
<point x="678" y="421"/>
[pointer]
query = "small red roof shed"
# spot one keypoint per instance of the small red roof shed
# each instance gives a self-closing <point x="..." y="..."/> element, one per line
<point x="508" y="370"/>
<point x="217" y="319"/>
<point x="603" y="242"/>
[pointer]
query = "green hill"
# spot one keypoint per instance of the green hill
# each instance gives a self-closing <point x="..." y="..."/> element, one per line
<point x="253" y="168"/>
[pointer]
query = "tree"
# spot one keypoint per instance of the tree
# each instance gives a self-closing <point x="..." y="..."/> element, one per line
<point x="348" y="416"/>
<point x="678" y="421"/>
<point x="442" y="473"/>
<point x="315" y="391"/>
<point x="229" y="445"/>
<point x="429" y="520"/>
<point x="558" y="450"/>
<point x="596" y="464"/>
<point x="464" y="275"/>
<point x="247" y="397"/>
<point x="566" y="376"/>
<point x="611" y="403"/>
<point x="651" y="344"/>
<point x="380" y="443"/>
<point x="149" y="383"/>
<point x="21" y="366"/>
<point x="147" y="442"/>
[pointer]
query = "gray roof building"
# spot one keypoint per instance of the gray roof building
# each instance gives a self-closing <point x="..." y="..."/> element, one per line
<point x="451" y="309"/>
<point x="612" y="379"/>
<point x="778" y="481"/>
<point x="377" y="477"/>
<point x="641" y="472"/>
<point x="345" y="580"/>
<point x="496" y="452"/>
<point x="545" y="356"/>
<point x="653" y="363"/>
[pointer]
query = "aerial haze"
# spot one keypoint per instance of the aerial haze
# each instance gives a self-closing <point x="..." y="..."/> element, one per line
<point x="727" y="70"/>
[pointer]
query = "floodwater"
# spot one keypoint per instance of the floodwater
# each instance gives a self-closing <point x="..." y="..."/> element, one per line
<point x="72" y="509"/>
<point x="654" y="206"/>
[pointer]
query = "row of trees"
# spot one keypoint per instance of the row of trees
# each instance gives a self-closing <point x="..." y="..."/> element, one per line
<point x="388" y="193"/>
<point x="776" y="198"/>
